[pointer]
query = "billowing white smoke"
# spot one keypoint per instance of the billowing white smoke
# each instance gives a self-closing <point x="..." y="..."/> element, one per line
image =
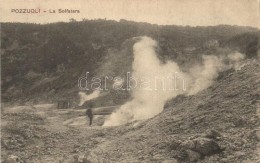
<point x="235" y="56"/>
<point x="149" y="98"/>
<point x="235" y="59"/>
<point x="84" y="97"/>
<point x="154" y="90"/>
<point x="202" y="76"/>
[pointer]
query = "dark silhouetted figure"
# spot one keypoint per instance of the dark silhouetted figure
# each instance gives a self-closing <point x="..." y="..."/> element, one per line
<point x="90" y="115"/>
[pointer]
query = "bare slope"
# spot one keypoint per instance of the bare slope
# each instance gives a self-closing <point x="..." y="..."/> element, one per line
<point x="216" y="125"/>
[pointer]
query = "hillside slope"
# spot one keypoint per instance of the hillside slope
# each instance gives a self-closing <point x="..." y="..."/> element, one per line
<point x="42" y="63"/>
<point x="219" y="124"/>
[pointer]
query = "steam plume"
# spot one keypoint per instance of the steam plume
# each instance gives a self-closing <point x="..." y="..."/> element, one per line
<point x="84" y="97"/>
<point x="148" y="103"/>
<point x="235" y="60"/>
<point x="203" y="75"/>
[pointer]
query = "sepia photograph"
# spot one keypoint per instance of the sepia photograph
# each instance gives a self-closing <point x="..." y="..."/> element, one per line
<point x="130" y="81"/>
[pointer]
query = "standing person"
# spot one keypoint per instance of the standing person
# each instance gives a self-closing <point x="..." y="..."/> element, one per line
<point x="90" y="114"/>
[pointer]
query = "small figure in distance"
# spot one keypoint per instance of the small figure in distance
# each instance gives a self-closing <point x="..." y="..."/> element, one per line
<point x="90" y="114"/>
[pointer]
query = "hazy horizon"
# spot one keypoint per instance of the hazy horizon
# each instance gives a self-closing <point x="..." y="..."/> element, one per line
<point x="164" y="12"/>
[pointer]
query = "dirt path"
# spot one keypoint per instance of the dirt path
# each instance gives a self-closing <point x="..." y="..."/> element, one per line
<point x="60" y="135"/>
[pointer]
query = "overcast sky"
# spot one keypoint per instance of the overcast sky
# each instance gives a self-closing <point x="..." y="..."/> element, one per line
<point x="178" y="12"/>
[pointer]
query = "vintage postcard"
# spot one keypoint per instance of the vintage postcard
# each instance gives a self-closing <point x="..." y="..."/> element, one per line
<point x="130" y="81"/>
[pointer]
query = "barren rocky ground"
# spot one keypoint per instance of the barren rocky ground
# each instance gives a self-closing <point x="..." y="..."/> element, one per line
<point x="219" y="124"/>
